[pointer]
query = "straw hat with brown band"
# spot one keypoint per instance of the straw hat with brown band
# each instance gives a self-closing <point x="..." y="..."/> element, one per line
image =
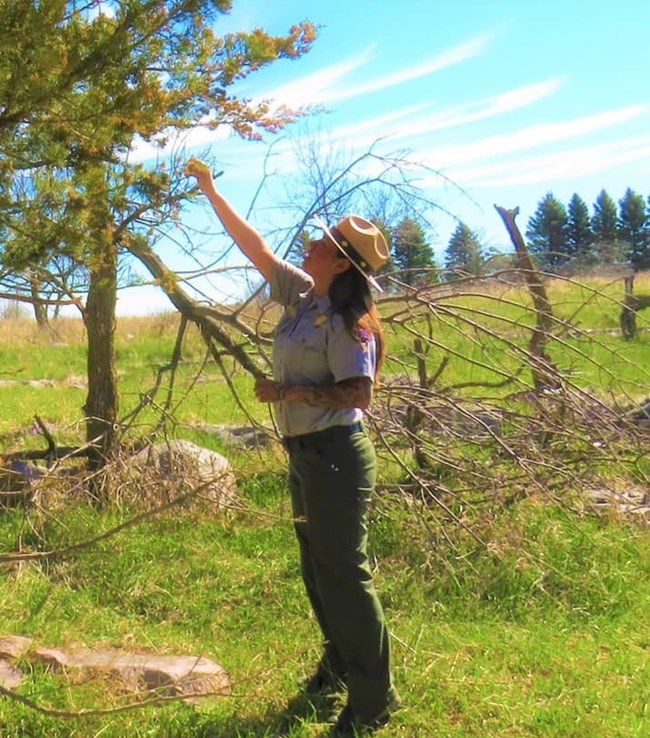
<point x="361" y="242"/>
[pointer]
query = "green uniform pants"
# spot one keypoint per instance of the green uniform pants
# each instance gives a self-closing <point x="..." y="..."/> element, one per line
<point x="331" y="476"/>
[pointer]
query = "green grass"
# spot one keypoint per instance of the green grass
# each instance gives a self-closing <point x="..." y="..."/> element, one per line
<point x="484" y="337"/>
<point x="143" y="348"/>
<point x="529" y="620"/>
<point x="544" y="633"/>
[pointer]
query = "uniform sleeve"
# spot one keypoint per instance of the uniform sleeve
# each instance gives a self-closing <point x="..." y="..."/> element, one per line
<point x="288" y="282"/>
<point x="347" y="357"/>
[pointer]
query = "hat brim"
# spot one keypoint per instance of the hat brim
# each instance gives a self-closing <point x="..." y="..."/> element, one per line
<point x="369" y="278"/>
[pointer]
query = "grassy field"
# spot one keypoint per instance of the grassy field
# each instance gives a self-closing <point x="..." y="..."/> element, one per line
<point x="544" y="633"/>
<point x="482" y="332"/>
<point x="519" y="620"/>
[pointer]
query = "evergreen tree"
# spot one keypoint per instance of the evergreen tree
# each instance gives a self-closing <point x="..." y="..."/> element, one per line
<point x="632" y="228"/>
<point x="578" y="233"/>
<point x="80" y="84"/>
<point x="547" y="233"/>
<point x="604" y="225"/>
<point x="464" y="252"/>
<point x="412" y="256"/>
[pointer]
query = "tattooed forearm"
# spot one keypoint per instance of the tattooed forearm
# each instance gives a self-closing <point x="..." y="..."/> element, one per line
<point x="354" y="392"/>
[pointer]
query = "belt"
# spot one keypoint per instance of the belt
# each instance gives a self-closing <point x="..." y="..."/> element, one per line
<point x="329" y="434"/>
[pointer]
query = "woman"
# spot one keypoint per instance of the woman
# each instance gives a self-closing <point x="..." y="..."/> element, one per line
<point x="328" y="348"/>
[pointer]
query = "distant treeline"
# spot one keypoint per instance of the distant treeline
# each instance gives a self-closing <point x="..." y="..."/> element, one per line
<point x="565" y="238"/>
<point x="559" y="235"/>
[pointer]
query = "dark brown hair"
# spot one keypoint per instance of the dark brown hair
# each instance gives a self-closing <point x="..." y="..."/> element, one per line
<point x="351" y="298"/>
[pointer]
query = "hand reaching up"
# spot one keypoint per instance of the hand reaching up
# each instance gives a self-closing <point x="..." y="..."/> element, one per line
<point x="200" y="170"/>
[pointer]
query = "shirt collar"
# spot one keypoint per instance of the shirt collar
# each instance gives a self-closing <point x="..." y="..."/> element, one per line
<point x="324" y="303"/>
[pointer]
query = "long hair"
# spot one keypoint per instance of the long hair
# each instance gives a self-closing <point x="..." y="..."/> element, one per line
<point x="351" y="298"/>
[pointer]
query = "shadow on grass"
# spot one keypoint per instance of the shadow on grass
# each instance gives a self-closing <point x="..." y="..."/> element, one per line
<point x="304" y="716"/>
<point x="315" y="711"/>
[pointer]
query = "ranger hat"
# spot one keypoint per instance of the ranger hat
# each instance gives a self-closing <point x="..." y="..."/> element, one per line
<point x="361" y="242"/>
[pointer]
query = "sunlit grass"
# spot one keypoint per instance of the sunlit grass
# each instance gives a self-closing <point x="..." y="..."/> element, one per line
<point x="541" y="633"/>
<point x="481" y="331"/>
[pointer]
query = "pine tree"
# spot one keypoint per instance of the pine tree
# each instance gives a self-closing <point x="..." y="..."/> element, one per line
<point x="578" y="233"/>
<point x="80" y="84"/>
<point x="604" y="225"/>
<point x="547" y="233"/>
<point x="412" y="256"/>
<point x="464" y="252"/>
<point x="633" y="229"/>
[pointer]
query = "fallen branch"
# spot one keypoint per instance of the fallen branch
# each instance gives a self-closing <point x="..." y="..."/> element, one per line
<point x="207" y="318"/>
<point x="53" y="712"/>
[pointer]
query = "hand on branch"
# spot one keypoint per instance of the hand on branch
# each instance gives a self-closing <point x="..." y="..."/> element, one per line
<point x="266" y="390"/>
<point x="199" y="169"/>
<point x="353" y="392"/>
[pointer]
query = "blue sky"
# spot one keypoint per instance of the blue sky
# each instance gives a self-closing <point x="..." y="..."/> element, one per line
<point x="508" y="98"/>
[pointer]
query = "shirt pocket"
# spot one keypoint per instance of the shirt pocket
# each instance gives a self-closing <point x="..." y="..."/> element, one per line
<point x="306" y="348"/>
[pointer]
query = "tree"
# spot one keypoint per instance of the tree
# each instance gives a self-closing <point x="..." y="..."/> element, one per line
<point x="604" y="224"/>
<point x="383" y="187"/>
<point x="464" y="252"/>
<point x="79" y="85"/>
<point x="633" y="229"/>
<point x="412" y="257"/>
<point x="547" y="233"/>
<point x="579" y="235"/>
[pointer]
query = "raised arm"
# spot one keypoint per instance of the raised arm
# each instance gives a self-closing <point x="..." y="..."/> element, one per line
<point x="248" y="239"/>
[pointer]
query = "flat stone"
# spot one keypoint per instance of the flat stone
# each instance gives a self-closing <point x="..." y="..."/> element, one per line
<point x="12" y="647"/>
<point x="27" y="382"/>
<point x="170" y="675"/>
<point x="632" y="501"/>
<point x="237" y="436"/>
<point x="10" y="676"/>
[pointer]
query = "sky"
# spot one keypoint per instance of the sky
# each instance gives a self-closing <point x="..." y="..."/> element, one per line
<point x="507" y="99"/>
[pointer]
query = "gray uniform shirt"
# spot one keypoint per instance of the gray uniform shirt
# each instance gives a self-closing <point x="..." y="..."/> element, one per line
<point x="312" y="347"/>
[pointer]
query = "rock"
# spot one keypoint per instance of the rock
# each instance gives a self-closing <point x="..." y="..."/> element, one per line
<point x="246" y="437"/>
<point x="633" y="501"/>
<point x="187" y="676"/>
<point x="27" y="382"/>
<point x="12" y="647"/>
<point x="183" y="461"/>
<point x="10" y="676"/>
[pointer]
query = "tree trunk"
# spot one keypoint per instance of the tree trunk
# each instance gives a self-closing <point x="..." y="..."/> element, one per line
<point x="102" y="402"/>
<point x="628" y="314"/>
<point x="40" y="310"/>
<point x="543" y="369"/>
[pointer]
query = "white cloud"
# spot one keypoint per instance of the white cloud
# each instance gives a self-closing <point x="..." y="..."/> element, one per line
<point x="367" y="131"/>
<point x="566" y="164"/>
<point x="143" y="150"/>
<point x="454" y="56"/>
<point x="107" y="9"/>
<point x="316" y="88"/>
<point x="329" y="85"/>
<point x="527" y="138"/>
<point x="450" y="117"/>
